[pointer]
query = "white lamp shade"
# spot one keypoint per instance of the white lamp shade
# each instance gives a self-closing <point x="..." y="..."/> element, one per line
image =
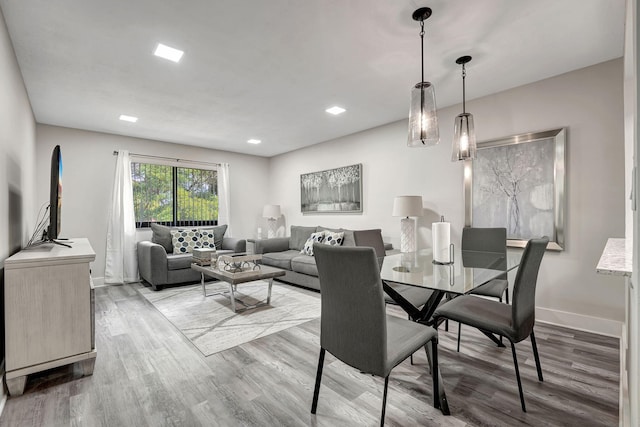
<point x="464" y="138"/>
<point x="423" y="118"/>
<point x="407" y="206"/>
<point x="271" y="211"/>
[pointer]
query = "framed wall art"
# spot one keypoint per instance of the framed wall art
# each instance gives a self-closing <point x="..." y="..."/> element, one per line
<point x="518" y="183"/>
<point x="336" y="190"/>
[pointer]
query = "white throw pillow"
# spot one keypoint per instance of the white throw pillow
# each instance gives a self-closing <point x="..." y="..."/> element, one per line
<point x="316" y="237"/>
<point x="333" y="238"/>
<point x="185" y="240"/>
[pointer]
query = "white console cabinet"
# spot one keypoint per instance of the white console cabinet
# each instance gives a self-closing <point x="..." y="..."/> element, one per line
<point x="49" y="310"/>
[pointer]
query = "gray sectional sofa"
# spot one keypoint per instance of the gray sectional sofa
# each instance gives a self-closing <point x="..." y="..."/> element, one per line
<point x="301" y="270"/>
<point x="159" y="266"/>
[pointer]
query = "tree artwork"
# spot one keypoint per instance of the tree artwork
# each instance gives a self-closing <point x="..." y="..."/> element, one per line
<point x="333" y="190"/>
<point x="513" y="187"/>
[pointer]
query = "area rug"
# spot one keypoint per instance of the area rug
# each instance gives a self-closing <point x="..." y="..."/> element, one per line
<point x="211" y="325"/>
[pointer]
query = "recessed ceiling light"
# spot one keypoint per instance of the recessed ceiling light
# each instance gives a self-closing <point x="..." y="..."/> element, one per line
<point x="167" y="52"/>
<point x="335" y="110"/>
<point x="254" y="141"/>
<point x="126" y="118"/>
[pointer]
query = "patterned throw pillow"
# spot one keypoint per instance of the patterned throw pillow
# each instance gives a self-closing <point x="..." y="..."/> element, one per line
<point x="185" y="240"/>
<point x="317" y="237"/>
<point x="207" y="239"/>
<point x="332" y="238"/>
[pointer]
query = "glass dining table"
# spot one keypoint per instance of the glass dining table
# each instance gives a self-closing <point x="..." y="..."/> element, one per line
<point x="468" y="270"/>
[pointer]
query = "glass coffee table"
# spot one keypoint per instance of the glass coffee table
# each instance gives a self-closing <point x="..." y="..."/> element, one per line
<point x="233" y="279"/>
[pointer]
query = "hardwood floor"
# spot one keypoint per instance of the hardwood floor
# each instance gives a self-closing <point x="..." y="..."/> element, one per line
<point x="148" y="374"/>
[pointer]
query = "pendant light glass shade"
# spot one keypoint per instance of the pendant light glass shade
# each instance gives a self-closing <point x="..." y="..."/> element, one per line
<point x="464" y="138"/>
<point x="423" y="120"/>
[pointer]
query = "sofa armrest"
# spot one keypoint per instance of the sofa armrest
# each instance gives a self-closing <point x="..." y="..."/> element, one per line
<point x="275" y="244"/>
<point x="152" y="263"/>
<point x="236" y="245"/>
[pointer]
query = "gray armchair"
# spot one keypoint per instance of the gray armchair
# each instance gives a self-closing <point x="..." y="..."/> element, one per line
<point x="516" y="321"/>
<point x="159" y="266"/>
<point x="354" y="326"/>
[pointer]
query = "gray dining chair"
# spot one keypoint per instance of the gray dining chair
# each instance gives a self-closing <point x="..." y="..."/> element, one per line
<point x="487" y="240"/>
<point x="514" y="322"/>
<point x="416" y="296"/>
<point x="354" y="326"/>
<point x="413" y="294"/>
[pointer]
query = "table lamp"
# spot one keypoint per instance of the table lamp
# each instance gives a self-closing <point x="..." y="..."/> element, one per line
<point x="406" y="206"/>
<point x="272" y="213"/>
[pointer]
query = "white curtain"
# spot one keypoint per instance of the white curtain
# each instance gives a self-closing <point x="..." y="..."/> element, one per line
<point x="224" y="211"/>
<point x="121" y="264"/>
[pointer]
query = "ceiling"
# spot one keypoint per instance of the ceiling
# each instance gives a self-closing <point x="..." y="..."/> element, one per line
<point x="269" y="69"/>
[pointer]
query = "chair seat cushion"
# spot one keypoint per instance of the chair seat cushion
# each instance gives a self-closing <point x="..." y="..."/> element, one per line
<point x="179" y="261"/>
<point x="280" y="259"/>
<point x="481" y="313"/>
<point x="494" y="288"/>
<point x="305" y="264"/>
<point x="404" y="337"/>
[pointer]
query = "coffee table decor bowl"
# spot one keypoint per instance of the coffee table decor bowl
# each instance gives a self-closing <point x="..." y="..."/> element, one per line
<point x="236" y="263"/>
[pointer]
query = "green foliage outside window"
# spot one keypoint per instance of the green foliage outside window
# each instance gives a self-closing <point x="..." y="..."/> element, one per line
<point x="158" y="190"/>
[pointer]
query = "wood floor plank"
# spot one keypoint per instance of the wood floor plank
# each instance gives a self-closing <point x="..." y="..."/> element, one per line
<point x="148" y="374"/>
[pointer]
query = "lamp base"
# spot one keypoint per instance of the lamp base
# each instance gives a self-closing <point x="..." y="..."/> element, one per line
<point x="271" y="231"/>
<point x="407" y="235"/>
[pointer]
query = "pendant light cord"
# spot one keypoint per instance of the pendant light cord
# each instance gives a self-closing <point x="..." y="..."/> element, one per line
<point x="422" y="129"/>
<point x="422" y="48"/>
<point x="464" y="76"/>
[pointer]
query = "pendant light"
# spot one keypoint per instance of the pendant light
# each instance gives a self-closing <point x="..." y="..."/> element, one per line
<point x="464" y="135"/>
<point x="423" y="121"/>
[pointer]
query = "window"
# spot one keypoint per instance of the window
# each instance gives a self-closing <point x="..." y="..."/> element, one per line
<point x="172" y="195"/>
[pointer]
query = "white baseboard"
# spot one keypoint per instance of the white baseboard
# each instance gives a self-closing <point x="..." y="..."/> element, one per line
<point x="98" y="281"/>
<point x="580" y="322"/>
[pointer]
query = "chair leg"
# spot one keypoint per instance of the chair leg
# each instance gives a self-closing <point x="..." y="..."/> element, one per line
<point x="410" y="357"/>
<point x="434" y="373"/>
<point x="459" y="330"/>
<point x="515" y="363"/>
<point x="428" y="359"/>
<point x="506" y="294"/>
<point x="316" y="390"/>
<point x="536" y="356"/>
<point x="384" y="399"/>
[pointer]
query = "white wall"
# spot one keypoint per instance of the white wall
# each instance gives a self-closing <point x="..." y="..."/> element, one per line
<point x="588" y="102"/>
<point x="17" y="166"/>
<point x="89" y="167"/>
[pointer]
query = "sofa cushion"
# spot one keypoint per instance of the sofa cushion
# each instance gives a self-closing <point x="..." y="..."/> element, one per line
<point x="179" y="261"/>
<point x="317" y="237"/>
<point x="280" y="259"/>
<point x="304" y="264"/>
<point x="162" y="236"/>
<point x="347" y="240"/>
<point x="184" y="241"/>
<point x="299" y="236"/>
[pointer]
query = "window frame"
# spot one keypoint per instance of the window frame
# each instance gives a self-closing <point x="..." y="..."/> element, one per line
<point x="174" y="191"/>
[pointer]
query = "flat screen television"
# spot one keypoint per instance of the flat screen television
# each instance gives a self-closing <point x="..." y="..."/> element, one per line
<point x="55" y="195"/>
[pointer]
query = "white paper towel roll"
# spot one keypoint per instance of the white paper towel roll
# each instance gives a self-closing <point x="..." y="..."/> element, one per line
<point x="441" y="232"/>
